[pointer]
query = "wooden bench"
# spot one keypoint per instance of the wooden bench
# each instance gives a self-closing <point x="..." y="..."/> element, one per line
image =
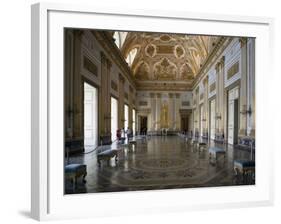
<point x="74" y="171"/>
<point x="244" y="166"/>
<point x="215" y="152"/>
<point x="201" y="145"/>
<point x="107" y="155"/>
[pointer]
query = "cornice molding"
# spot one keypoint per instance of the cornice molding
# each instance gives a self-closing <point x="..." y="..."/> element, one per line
<point x="213" y="57"/>
<point x="105" y="39"/>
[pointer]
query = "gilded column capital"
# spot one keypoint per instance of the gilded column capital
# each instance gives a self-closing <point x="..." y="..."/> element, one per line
<point x="158" y="95"/>
<point x="217" y="66"/>
<point x="243" y="41"/>
<point x="171" y="95"/>
<point x="121" y="78"/>
<point x="102" y="57"/>
<point x="108" y="63"/>
<point x="222" y="60"/>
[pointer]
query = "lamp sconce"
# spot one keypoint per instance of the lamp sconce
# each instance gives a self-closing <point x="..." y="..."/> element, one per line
<point x="218" y="116"/>
<point x="71" y="112"/>
<point x="107" y="117"/>
<point x="204" y="119"/>
<point x="195" y="121"/>
<point x="246" y="111"/>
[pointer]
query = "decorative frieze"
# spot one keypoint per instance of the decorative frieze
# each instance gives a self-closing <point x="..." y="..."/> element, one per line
<point x="90" y="66"/>
<point x="114" y="86"/>
<point x="233" y="70"/>
<point x="121" y="78"/>
<point x="212" y="87"/>
<point x="126" y="96"/>
<point x="185" y="103"/>
<point x="142" y="103"/>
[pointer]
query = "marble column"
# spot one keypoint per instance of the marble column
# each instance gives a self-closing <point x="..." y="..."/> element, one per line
<point x="243" y="86"/>
<point x="68" y="103"/>
<point x="158" y="110"/>
<point x="177" y="109"/>
<point x="121" y="118"/>
<point x="206" y="107"/>
<point x="222" y="107"/>
<point x="78" y="106"/>
<point x="171" y="112"/>
<point x="251" y="86"/>
<point x="104" y="96"/>
<point x="153" y="111"/>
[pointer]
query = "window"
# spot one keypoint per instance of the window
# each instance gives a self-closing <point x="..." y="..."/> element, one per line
<point x="114" y="118"/>
<point x="131" y="56"/>
<point x="120" y="38"/>
<point x="126" y="116"/>
<point x="134" y="121"/>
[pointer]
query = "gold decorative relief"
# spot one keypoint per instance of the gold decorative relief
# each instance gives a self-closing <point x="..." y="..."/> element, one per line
<point x="165" y="49"/>
<point x="186" y="72"/>
<point x="143" y="103"/>
<point x="142" y="71"/>
<point x="212" y="87"/>
<point x="179" y="51"/>
<point x="233" y="70"/>
<point x="150" y="50"/>
<point x="165" y="70"/>
<point x="90" y="66"/>
<point x="114" y="86"/>
<point x="165" y="38"/>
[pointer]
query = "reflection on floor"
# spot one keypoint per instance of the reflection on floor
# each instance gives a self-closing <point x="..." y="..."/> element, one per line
<point x="161" y="162"/>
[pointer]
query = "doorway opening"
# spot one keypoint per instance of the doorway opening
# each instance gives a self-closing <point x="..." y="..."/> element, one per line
<point x="90" y="117"/>
<point x="126" y="117"/>
<point x="212" y="119"/>
<point x="143" y="125"/>
<point x="233" y="117"/>
<point x="134" y="121"/>
<point x="114" y="118"/>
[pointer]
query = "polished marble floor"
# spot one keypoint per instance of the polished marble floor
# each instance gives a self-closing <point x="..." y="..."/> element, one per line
<point x="158" y="162"/>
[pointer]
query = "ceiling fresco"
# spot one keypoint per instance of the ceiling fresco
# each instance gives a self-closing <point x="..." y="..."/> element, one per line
<point x="167" y="58"/>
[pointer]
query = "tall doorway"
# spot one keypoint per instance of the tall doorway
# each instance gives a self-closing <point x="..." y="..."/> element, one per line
<point x="201" y="120"/>
<point x="90" y="117"/>
<point x="143" y="124"/>
<point x="212" y="119"/>
<point x="233" y="118"/>
<point x="114" y="118"/>
<point x="134" y="121"/>
<point x="126" y="116"/>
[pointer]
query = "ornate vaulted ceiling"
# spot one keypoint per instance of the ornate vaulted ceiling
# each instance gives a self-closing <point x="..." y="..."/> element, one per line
<point x="168" y="59"/>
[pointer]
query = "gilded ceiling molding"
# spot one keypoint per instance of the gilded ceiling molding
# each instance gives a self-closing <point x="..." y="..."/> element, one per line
<point x="243" y="41"/>
<point x="105" y="39"/>
<point x="218" y="49"/>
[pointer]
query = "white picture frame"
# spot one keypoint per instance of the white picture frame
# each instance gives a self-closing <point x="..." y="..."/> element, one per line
<point x="48" y="201"/>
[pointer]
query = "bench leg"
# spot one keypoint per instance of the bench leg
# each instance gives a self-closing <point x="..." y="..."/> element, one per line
<point x="83" y="178"/>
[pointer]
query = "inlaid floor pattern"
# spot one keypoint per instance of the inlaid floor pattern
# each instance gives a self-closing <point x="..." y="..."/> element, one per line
<point x="161" y="162"/>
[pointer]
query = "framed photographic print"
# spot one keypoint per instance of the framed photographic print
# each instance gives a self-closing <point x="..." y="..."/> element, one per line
<point x="162" y="111"/>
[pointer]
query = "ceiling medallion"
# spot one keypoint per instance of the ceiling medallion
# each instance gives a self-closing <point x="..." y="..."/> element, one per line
<point x="165" y="38"/>
<point x="179" y="51"/>
<point x="150" y="50"/>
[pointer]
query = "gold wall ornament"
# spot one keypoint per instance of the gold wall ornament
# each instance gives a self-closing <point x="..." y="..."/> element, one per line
<point x="164" y="116"/>
<point x="114" y="86"/>
<point x="234" y="69"/>
<point x="90" y="66"/>
<point x="213" y="87"/>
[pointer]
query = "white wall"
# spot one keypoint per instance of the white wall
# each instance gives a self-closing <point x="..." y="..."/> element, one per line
<point x="15" y="111"/>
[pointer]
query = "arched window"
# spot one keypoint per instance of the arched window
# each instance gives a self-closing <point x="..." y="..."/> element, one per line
<point x="131" y="56"/>
<point x="120" y="38"/>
